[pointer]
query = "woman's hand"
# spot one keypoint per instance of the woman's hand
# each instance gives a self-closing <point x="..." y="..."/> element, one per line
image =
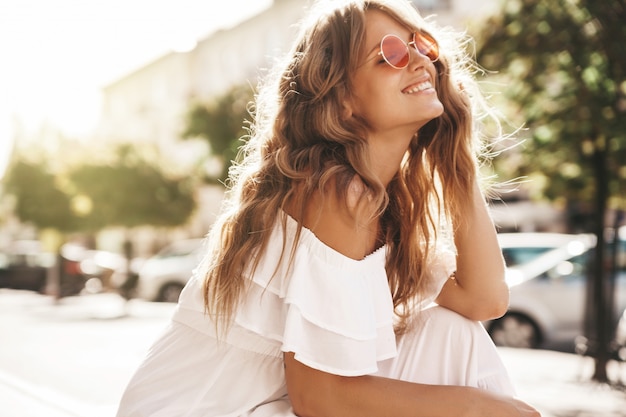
<point x="494" y="405"/>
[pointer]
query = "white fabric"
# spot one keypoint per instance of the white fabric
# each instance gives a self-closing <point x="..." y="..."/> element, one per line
<point x="333" y="312"/>
<point x="444" y="348"/>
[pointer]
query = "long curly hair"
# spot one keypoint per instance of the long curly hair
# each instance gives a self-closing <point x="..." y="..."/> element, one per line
<point x="299" y="142"/>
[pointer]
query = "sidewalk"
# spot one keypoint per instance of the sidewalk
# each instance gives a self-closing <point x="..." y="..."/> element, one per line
<point x="106" y="346"/>
<point x="555" y="383"/>
<point x="559" y="384"/>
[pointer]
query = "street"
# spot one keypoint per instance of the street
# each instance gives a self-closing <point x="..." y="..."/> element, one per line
<point x="73" y="358"/>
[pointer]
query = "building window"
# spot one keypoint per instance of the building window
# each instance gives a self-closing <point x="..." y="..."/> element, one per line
<point x="432" y="5"/>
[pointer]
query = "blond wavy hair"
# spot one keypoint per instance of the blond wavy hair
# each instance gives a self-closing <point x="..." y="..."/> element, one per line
<point x="299" y="143"/>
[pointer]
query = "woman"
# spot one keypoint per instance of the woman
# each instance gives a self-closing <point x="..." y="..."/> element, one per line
<point x="356" y="205"/>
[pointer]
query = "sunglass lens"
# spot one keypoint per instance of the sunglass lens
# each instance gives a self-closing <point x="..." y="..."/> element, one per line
<point x="426" y="45"/>
<point x="395" y="51"/>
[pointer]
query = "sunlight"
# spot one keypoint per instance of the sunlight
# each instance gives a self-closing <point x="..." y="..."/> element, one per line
<point x="61" y="53"/>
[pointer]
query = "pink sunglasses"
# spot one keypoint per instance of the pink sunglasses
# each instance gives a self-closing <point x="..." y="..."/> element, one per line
<point x="395" y="51"/>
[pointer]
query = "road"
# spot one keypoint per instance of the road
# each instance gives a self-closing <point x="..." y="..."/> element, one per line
<point x="73" y="358"/>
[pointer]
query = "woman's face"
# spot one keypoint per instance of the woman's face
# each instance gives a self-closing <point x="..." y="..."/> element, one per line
<point x="395" y="102"/>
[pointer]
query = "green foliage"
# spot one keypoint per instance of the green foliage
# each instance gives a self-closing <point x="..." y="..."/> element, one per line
<point x="563" y="63"/>
<point x="128" y="191"/>
<point x="38" y="198"/>
<point x="221" y="123"/>
<point x="132" y="192"/>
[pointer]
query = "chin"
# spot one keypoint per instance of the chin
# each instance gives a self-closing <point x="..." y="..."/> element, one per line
<point x="439" y="107"/>
<point x="435" y="112"/>
<point x="438" y="112"/>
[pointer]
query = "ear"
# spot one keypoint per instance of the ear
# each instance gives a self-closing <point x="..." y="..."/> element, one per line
<point x="347" y="111"/>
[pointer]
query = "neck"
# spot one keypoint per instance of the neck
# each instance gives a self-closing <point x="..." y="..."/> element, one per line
<point x="386" y="155"/>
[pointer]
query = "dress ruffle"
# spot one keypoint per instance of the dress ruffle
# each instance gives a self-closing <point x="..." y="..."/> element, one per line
<point x="335" y="313"/>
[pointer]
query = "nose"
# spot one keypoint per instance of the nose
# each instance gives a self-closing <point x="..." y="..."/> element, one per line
<point x="416" y="58"/>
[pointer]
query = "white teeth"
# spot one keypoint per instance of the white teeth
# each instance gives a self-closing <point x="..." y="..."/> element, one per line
<point x="420" y="87"/>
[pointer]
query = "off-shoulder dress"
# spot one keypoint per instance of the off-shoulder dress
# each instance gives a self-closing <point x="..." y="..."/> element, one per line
<point x="335" y="313"/>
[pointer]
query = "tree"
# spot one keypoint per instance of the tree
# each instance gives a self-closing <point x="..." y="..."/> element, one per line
<point x="221" y="123"/>
<point x="127" y="191"/>
<point x="564" y="65"/>
<point x="40" y="201"/>
<point x="131" y="192"/>
<point x="38" y="198"/>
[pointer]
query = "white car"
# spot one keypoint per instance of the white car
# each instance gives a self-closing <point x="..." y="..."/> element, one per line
<point x="547" y="276"/>
<point x="163" y="276"/>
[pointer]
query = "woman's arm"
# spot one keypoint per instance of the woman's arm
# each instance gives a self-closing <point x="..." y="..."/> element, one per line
<point x="318" y="394"/>
<point x="479" y="290"/>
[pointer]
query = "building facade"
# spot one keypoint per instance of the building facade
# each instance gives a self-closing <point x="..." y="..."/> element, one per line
<point x="149" y="105"/>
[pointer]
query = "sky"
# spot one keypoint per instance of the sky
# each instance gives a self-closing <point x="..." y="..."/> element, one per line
<point x="56" y="55"/>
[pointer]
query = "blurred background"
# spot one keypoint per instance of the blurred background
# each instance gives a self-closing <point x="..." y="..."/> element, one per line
<point x="119" y="120"/>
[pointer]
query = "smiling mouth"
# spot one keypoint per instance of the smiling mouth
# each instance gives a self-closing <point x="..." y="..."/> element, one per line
<point x="419" y="87"/>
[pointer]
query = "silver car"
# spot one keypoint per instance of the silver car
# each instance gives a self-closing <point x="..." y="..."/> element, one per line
<point x="547" y="275"/>
<point x="163" y="276"/>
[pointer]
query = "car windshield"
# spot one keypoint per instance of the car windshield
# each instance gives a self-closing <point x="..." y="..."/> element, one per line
<point x="516" y="256"/>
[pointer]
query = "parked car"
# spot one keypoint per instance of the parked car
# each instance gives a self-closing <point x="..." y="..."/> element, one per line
<point x="547" y="274"/>
<point x="103" y="270"/>
<point x="163" y="276"/>
<point x="25" y="265"/>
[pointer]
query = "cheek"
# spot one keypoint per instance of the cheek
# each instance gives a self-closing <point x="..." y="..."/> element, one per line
<point x="369" y="99"/>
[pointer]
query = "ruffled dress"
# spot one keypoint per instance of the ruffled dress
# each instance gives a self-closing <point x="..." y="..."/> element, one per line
<point x="335" y="313"/>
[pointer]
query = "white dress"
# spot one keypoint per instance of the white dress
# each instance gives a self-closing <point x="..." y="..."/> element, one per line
<point x="333" y="312"/>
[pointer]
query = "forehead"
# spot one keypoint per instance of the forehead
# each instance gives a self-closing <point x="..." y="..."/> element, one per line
<point x="379" y="24"/>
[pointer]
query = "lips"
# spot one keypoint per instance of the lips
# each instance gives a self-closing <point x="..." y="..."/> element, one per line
<point x="416" y="88"/>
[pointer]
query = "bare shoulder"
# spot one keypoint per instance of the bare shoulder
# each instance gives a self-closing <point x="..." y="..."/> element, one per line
<point x="333" y="219"/>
